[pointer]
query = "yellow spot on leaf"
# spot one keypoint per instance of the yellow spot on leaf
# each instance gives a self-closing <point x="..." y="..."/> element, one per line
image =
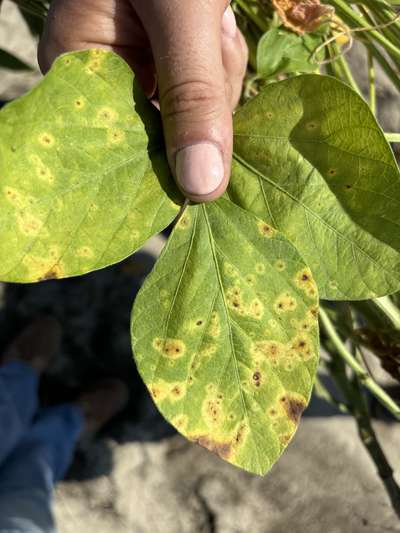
<point x="265" y="229"/>
<point x="85" y="251"/>
<point x="79" y="103"/>
<point x="180" y="422"/>
<point x="28" y="224"/>
<point x="230" y="270"/>
<point x="260" y="268"/>
<point x="305" y="281"/>
<point x="280" y="265"/>
<point x="256" y="309"/>
<point x="45" y="174"/>
<point x="184" y="221"/>
<point x="116" y="136"/>
<point x="170" y="348"/>
<point x="214" y="329"/>
<point x="107" y="114"/>
<point x="212" y="410"/>
<point x="44" y="268"/>
<point x="46" y="139"/>
<point x="284" y="303"/>
<point x="15" y="198"/>
<point x="302" y="346"/>
<point x="250" y="279"/>
<point x="271" y="350"/>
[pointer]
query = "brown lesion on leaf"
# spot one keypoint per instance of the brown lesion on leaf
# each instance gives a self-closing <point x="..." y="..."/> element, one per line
<point x="302" y="16"/>
<point x="54" y="273"/>
<point x="257" y="378"/>
<point x="169" y="348"/>
<point x="293" y="404"/>
<point x="271" y="350"/>
<point x="305" y="281"/>
<point x="226" y="448"/>
<point x="285" y="303"/>
<point x="302" y="347"/>
<point x="265" y="229"/>
<point x="222" y="449"/>
<point x="285" y="439"/>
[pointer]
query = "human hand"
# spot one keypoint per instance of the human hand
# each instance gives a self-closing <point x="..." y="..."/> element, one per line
<point x="190" y="50"/>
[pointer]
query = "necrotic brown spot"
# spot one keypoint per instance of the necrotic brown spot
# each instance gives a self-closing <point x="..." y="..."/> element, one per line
<point x="294" y="406"/>
<point x="222" y="449"/>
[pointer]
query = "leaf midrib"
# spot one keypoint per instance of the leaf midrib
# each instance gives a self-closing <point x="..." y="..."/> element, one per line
<point x="227" y="315"/>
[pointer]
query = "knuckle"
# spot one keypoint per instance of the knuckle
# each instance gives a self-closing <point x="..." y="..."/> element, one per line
<point x="196" y="99"/>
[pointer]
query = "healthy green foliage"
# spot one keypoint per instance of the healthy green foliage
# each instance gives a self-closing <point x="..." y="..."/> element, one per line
<point x="282" y="51"/>
<point x="225" y="334"/>
<point x="84" y="178"/>
<point x="311" y="160"/>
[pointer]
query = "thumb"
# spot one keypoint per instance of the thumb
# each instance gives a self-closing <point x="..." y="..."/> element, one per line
<point x="186" y="40"/>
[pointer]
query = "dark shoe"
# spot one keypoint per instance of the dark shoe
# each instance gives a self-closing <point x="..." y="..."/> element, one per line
<point x="101" y="402"/>
<point x="37" y="345"/>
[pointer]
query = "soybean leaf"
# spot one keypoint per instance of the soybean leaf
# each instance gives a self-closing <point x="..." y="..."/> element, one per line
<point x="84" y="178"/>
<point x="311" y="160"/>
<point x="282" y="51"/>
<point x="12" y="62"/>
<point x="224" y="333"/>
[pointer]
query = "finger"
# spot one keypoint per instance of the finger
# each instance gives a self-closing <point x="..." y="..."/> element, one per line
<point x="234" y="58"/>
<point x="194" y="99"/>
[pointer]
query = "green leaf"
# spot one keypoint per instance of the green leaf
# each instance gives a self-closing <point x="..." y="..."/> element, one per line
<point x="282" y="51"/>
<point x="12" y="62"/>
<point x="84" y="177"/>
<point x="225" y="334"/>
<point x="311" y="160"/>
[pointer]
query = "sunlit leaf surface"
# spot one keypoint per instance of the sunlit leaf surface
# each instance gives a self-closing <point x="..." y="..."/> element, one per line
<point x="225" y="334"/>
<point x="311" y="160"/>
<point x="84" y="179"/>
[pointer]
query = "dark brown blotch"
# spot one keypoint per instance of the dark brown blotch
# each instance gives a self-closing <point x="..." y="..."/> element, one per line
<point x="294" y="408"/>
<point x="222" y="449"/>
<point x="51" y="274"/>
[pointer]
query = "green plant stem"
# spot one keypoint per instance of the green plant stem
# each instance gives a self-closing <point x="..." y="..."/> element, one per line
<point x="393" y="137"/>
<point x="347" y="75"/>
<point x="386" y="66"/>
<point x="386" y="305"/>
<point x="354" y="395"/>
<point x="362" y="375"/>
<point x="355" y="20"/>
<point x="254" y="17"/>
<point x="372" y="83"/>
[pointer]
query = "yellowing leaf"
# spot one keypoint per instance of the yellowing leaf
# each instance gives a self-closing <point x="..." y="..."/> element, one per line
<point x="225" y="334"/>
<point x="84" y="179"/>
<point x="302" y="16"/>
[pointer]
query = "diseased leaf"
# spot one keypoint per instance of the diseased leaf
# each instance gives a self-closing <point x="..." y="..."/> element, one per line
<point x="282" y="51"/>
<point x="225" y="334"/>
<point x="302" y="15"/>
<point x="311" y="160"/>
<point x="84" y="178"/>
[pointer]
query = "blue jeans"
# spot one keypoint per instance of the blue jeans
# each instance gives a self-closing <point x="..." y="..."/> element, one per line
<point x="36" y="449"/>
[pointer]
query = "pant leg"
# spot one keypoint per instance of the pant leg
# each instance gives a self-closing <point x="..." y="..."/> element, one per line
<point x="28" y="476"/>
<point x="18" y="403"/>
